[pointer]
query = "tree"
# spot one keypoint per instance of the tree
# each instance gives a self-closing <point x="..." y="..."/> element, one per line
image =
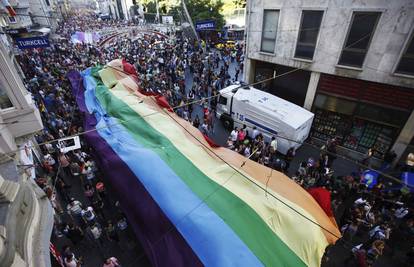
<point x="205" y="10"/>
<point x="230" y="5"/>
<point x="150" y="7"/>
<point x="164" y="6"/>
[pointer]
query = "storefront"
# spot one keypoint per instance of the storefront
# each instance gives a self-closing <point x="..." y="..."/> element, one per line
<point x="360" y="114"/>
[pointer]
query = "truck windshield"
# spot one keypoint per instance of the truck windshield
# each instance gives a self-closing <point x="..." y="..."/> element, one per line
<point x="222" y="100"/>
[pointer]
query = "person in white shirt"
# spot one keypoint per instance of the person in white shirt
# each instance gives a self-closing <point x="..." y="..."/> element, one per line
<point x="96" y="231"/>
<point x="247" y="152"/>
<point x="234" y="134"/>
<point x="360" y="201"/>
<point x="230" y="144"/>
<point x="204" y="127"/>
<point x="50" y="160"/>
<point x="111" y="262"/>
<point x="71" y="261"/>
<point x="401" y="213"/>
<point x="255" y="133"/>
<point x="273" y="145"/>
<point x="90" y="175"/>
<point x="88" y="214"/>
<point x="380" y="232"/>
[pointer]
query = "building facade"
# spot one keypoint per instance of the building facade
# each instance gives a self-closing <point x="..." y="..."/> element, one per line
<point x="349" y="62"/>
<point x="30" y="14"/>
<point x="26" y="216"/>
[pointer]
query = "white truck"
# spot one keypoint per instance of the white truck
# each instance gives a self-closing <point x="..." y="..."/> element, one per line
<point x="240" y="105"/>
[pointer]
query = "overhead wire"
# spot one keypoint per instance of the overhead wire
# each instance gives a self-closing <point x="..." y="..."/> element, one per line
<point x="236" y="170"/>
<point x="69" y="129"/>
<point x="214" y="96"/>
<point x="221" y="185"/>
<point x="286" y="73"/>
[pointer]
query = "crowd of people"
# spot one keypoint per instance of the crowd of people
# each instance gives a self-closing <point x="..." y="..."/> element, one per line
<point x="372" y="220"/>
<point x="93" y="219"/>
<point x="161" y="61"/>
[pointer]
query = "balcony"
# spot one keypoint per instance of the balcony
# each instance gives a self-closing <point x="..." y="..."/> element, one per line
<point x="19" y="116"/>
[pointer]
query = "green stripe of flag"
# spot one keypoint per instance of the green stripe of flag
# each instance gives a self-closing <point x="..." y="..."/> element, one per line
<point x="244" y="221"/>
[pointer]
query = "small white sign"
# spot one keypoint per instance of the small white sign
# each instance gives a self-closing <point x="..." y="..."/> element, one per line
<point x="167" y="20"/>
<point x="69" y="143"/>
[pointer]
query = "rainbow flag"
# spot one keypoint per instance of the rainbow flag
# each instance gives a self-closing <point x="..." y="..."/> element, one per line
<point x="191" y="204"/>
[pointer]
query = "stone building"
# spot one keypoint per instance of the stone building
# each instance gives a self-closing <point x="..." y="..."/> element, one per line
<point x="26" y="216"/>
<point x="350" y="62"/>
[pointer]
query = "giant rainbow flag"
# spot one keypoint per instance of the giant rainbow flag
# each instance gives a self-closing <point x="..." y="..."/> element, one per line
<point x="191" y="204"/>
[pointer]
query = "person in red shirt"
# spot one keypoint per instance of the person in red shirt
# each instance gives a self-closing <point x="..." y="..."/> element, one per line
<point x="241" y="135"/>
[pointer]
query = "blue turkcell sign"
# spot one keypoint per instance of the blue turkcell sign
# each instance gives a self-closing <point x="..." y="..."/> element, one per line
<point x="205" y="25"/>
<point x="32" y="42"/>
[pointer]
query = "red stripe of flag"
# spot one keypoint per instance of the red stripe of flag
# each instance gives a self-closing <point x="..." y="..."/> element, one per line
<point x="9" y="8"/>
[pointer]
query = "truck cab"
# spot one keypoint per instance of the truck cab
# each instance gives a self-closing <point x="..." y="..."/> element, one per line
<point x="224" y="105"/>
<point x="240" y="105"/>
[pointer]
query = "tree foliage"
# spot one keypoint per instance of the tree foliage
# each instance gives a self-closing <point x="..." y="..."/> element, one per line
<point x="230" y="5"/>
<point x="205" y="10"/>
<point x="198" y="9"/>
<point x="164" y="6"/>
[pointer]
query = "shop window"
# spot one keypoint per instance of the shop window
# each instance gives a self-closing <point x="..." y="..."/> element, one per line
<point x="406" y="64"/>
<point x="382" y="115"/>
<point x="4" y="99"/>
<point x="328" y="124"/>
<point x="269" y="30"/>
<point x="359" y="37"/>
<point x="335" y="104"/>
<point x="308" y="34"/>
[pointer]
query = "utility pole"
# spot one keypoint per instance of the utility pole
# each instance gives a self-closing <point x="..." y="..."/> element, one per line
<point x="157" y="16"/>
<point x="191" y="24"/>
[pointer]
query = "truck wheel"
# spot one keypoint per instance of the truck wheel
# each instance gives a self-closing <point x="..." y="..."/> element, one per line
<point x="227" y="123"/>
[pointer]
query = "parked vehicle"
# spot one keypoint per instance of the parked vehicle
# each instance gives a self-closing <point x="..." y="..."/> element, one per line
<point x="240" y="105"/>
<point x="226" y="44"/>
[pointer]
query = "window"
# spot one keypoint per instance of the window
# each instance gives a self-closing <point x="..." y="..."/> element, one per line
<point x="269" y="30"/>
<point x="222" y="100"/>
<point x="12" y="20"/>
<point x="4" y="99"/>
<point x="406" y="65"/>
<point x="382" y="114"/>
<point x="359" y="37"/>
<point x="308" y="34"/>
